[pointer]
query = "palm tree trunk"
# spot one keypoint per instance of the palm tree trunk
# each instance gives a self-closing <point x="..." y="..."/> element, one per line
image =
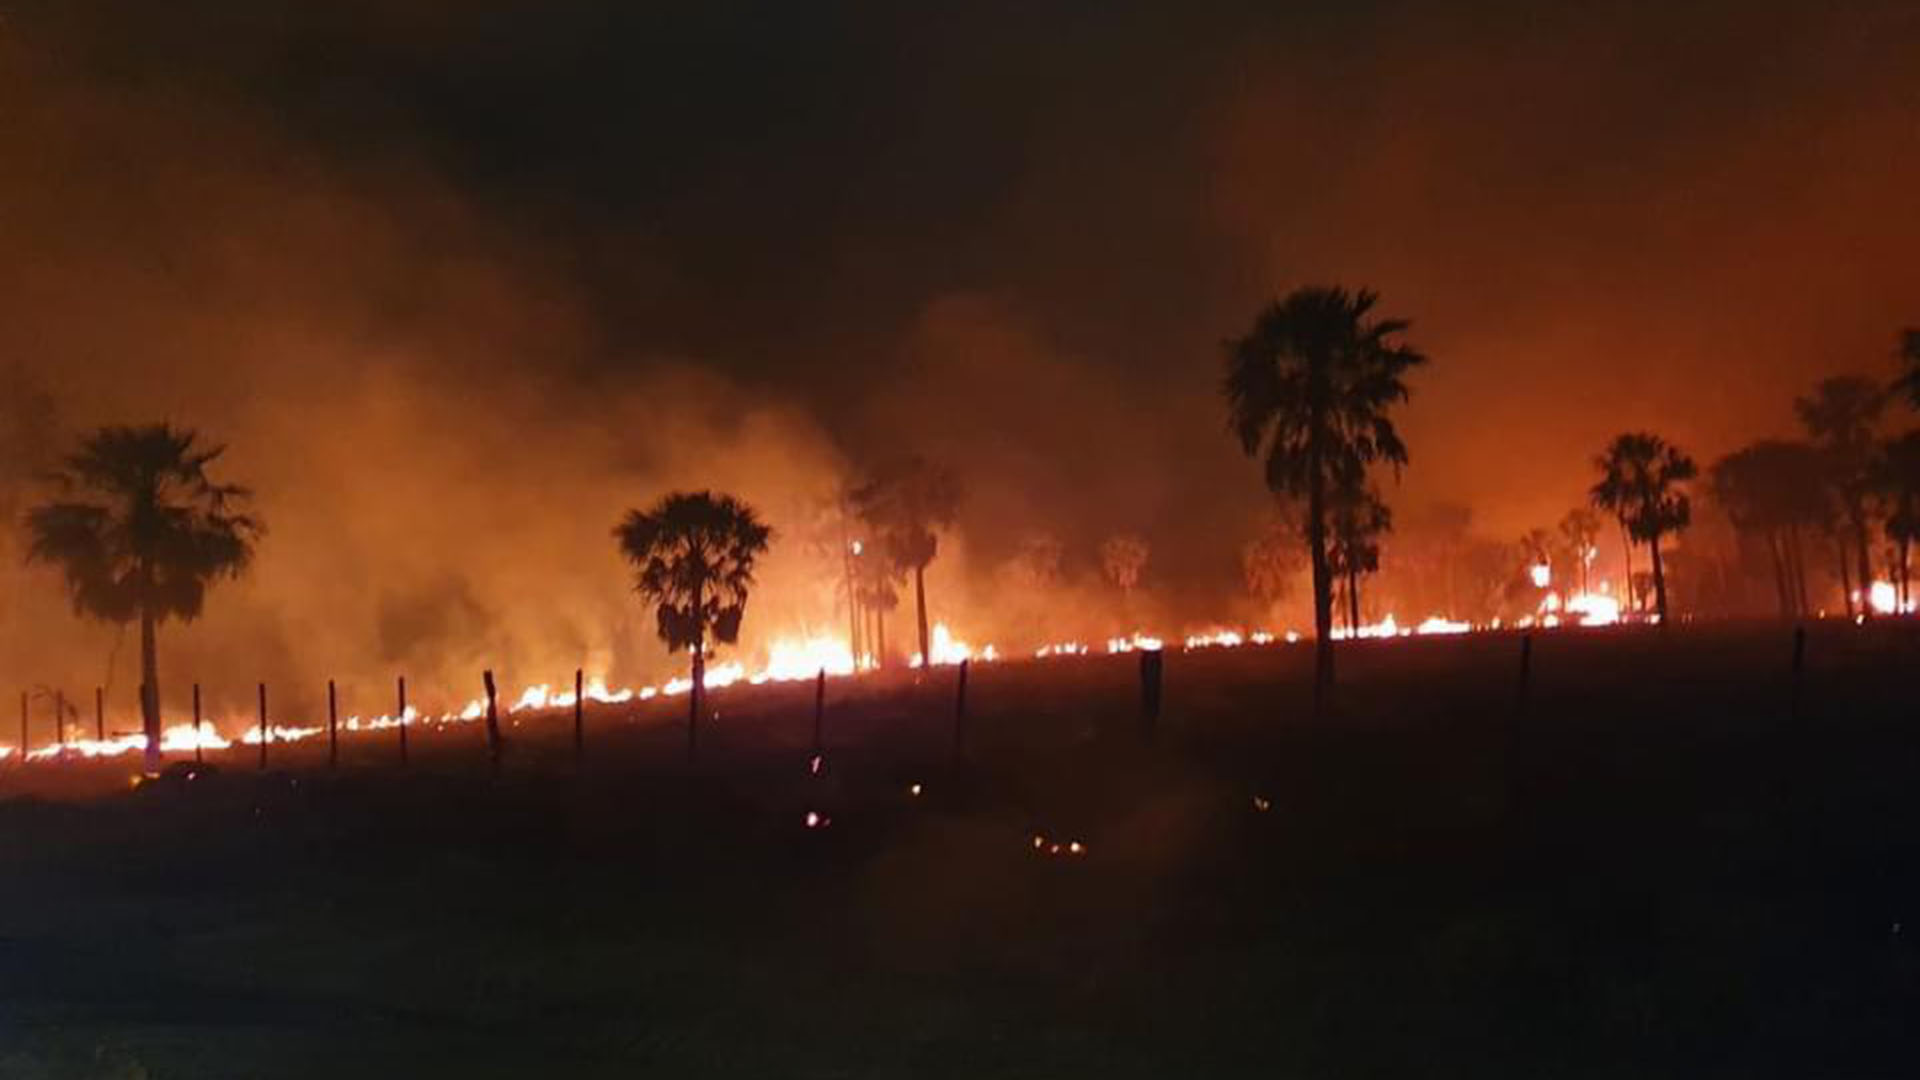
<point x="1626" y="543"/>
<point x="1322" y="575"/>
<point x="1659" y="581"/>
<point x="1353" y="604"/>
<point x="150" y="689"/>
<point x="880" y="637"/>
<point x="696" y="696"/>
<point x="920" y="605"/>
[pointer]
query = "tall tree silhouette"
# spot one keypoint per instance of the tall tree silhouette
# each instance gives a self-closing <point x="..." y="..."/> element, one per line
<point x="1640" y="478"/>
<point x="693" y="555"/>
<point x="1776" y="492"/>
<point x="1895" y="477"/>
<point x="876" y="584"/>
<point x="1356" y="519"/>
<point x="1580" y="533"/>
<point x="140" y="531"/>
<point x="1840" y="415"/>
<point x="1310" y="386"/>
<point x="905" y="503"/>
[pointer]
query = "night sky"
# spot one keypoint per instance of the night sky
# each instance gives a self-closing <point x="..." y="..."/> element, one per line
<point x="512" y="260"/>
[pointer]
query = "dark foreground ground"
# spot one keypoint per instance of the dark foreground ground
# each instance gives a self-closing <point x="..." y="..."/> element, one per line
<point x="1651" y="869"/>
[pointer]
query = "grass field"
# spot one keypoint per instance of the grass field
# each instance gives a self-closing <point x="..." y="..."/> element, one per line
<point x="1648" y="867"/>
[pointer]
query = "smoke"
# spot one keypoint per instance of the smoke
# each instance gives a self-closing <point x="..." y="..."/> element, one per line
<point x="458" y="288"/>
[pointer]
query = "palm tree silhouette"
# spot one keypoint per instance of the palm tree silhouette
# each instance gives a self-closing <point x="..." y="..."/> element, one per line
<point x="1640" y="478"/>
<point x="693" y="556"/>
<point x="140" y="532"/>
<point x="903" y="503"/>
<point x="1840" y="415"/>
<point x="1310" y="385"/>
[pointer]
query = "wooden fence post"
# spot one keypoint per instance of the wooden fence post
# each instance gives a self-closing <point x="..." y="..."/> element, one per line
<point x="99" y="714"/>
<point x="579" y="713"/>
<point x="493" y="723"/>
<point x="199" y="729"/>
<point x="820" y="713"/>
<point x="960" y="715"/>
<point x="333" y="727"/>
<point x="263" y="726"/>
<point x="60" y="720"/>
<point x="402" y="715"/>
<point x="1152" y="670"/>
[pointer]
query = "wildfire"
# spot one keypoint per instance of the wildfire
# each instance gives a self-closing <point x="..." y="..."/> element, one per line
<point x="1884" y="598"/>
<point x="948" y="649"/>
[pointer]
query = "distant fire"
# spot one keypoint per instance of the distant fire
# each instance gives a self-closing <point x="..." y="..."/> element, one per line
<point x="793" y="659"/>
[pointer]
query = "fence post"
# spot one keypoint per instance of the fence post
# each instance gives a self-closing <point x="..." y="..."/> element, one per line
<point x="493" y="723"/>
<point x="99" y="714"/>
<point x="1152" y="669"/>
<point x="263" y="726"/>
<point x="60" y="720"/>
<point x="579" y="713"/>
<point x="820" y="712"/>
<point x="199" y="729"/>
<point x="402" y="715"/>
<point x="1799" y="669"/>
<point x="333" y="727"/>
<point x="960" y="715"/>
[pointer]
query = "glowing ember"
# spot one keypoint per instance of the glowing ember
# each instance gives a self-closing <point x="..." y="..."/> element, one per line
<point x="818" y="820"/>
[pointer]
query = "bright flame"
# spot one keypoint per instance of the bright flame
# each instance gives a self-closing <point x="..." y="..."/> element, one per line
<point x="948" y="649"/>
<point x="1884" y="599"/>
<point x="1541" y="574"/>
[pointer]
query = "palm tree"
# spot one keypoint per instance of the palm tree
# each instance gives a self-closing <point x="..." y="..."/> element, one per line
<point x="693" y="556"/>
<point x="903" y="503"/>
<point x="1896" y="478"/>
<point x="1640" y="478"/>
<point x="1356" y="519"/>
<point x="1840" y="415"/>
<point x="1580" y="531"/>
<point x="1310" y="385"/>
<point x="140" y="532"/>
